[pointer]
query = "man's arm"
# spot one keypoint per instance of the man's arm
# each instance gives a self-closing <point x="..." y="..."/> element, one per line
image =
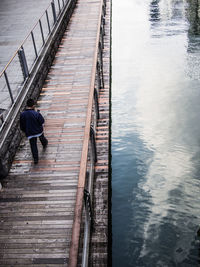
<point x="22" y="123"/>
<point x="40" y="118"/>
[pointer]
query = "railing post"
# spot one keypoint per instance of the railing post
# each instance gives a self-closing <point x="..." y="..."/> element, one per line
<point x="104" y="7"/>
<point x="98" y="75"/>
<point x="33" y="39"/>
<point x="96" y="103"/>
<point x="8" y="85"/>
<point x="47" y="16"/>
<point x="102" y="36"/>
<point x="23" y="62"/>
<point x="41" y="29"/>
<point x="53" y="11"/>
<point x="101" y="63"/>
<point x="89" y="221"/>
<point x="93" y="142"/>
<point x="59" y="5"/>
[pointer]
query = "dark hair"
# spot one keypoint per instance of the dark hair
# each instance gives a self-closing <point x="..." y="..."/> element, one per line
<point x="30" y="102"/>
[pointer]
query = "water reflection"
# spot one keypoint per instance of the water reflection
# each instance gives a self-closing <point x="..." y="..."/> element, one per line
<point x="165" y="134"/>
<point x="171" y="130"/>
<point x="154" y="11"/>
<point x="193" y="48"/>
<point x="193" y="15"/>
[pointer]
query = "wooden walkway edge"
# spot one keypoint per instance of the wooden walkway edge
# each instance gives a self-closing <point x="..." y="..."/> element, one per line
<point x="101" y="237"/>
<point x="37" y="201"/>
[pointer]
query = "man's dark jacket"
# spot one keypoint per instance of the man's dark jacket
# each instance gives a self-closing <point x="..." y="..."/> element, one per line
<point x="31" y="122"/>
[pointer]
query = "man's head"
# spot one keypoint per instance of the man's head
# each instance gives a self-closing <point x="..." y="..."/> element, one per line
<point x="30" y="103"/>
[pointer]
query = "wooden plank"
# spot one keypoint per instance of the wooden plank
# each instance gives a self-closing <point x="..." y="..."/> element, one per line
<point x="37" y="202"/>
<point x="25" y="262"/>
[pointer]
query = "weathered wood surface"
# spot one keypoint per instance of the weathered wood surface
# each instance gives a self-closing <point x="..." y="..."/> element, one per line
<point x="37" y="201"/>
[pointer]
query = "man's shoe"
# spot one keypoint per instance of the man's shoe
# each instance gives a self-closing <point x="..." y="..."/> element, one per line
<point x="45" y="145"/>
<point x="35" y="161"/>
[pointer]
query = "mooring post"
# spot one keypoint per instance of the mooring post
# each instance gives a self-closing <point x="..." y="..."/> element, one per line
<point x="23" y="62"/>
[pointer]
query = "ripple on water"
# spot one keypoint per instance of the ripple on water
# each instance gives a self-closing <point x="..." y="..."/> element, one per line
<point x="156" y="134"/>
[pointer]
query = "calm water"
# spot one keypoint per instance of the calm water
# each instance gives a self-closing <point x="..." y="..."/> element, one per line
<point x="156" y="133"/>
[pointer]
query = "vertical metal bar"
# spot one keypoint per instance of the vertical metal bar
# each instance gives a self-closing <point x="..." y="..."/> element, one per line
<point x="98" y="75"/>
<point x="36" y="54"/>
<point x="101" y="63"/>
<point x="96" y="103"/>
<point x="93" y="141"/>
<point x="86" y="240"/>
<point x="88" y="210"/>
<point x="88" y="225"/>
<point x="104" y="7"/>
<point x="47" y="16"/>
<point x="63" y="3"/>
<point x="23" y="62"/>
<point x="102" y="25"/>
<point x="59" y="5"/>
<point x="41" y="29"/>
<point x="8" y="86"/>
<point x="101" y="36"/>
<point x="53" y="11"/>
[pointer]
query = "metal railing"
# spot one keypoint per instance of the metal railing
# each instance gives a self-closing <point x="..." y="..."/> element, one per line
<point x="20" y="66"/>
<point x="92" y="150"/>
<point x="89" y="157"/>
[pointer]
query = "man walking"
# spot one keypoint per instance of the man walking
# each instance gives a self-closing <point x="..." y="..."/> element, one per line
<point x="31" y="123"/>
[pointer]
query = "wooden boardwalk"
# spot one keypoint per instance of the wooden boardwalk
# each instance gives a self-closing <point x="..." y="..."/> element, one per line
<point x="37" y="201"/>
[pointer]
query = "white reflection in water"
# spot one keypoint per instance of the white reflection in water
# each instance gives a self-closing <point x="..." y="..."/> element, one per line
<point x="168" y="108"/>
<point x="156" y="76"/>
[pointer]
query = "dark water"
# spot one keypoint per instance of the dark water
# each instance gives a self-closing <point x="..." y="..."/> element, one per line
<point x="156" y="133"/>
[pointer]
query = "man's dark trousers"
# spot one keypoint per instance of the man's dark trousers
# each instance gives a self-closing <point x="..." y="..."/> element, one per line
<point x="33" y="144"/>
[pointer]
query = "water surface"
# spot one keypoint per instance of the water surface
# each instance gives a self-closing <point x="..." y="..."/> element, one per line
<point x="155" y="133"/>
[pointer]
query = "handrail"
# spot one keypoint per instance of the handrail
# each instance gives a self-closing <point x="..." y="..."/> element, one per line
<point x="19" y="68"/>
<point x="73" y="255"/>
<point x="15" y="53"/>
